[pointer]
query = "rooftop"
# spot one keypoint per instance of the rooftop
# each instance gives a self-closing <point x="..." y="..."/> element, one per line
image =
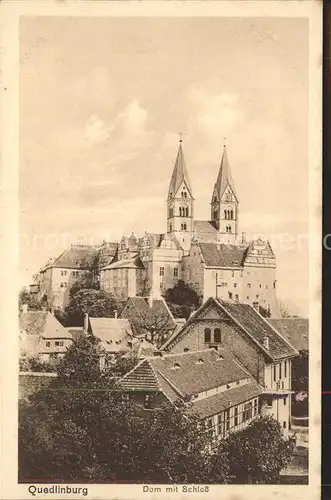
<point x="294" y="330"/>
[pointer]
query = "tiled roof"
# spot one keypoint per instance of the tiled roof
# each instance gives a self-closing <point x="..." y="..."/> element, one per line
<point x="200" y="370"/>
<point x="114" y="333"/>
<point x="224" y="178"/>
<point x="77" y="332"/>
<point x="133" y="263"/>
<point x="141" y="377"/>
<point x="106" y="254"/>
<point x="205" y="231"/>
<point x="258" y="328"/>
<point x="157" y="316"/>
<point x="250" y="322"/>
<point x="223" y="255"/>
<point x="77" y="257"/>
<point x="295" y="330"/>
<point x="43" y="324"/>
<point x="186" y="373"/>
<point x="179" y="175"/>
<point x="212" y="405"/>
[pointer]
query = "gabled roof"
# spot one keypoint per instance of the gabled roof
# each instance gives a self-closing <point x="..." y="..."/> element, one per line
<point x="114" y="333"/>
<point x="77" y="257"/>
<point x="223" y="255"/>
<point x="132" y="263"/>
<point x="209" y="406"/>
<point x="294" y="330"/>
<point x="255" y="326"/>
<point x="144" y="316"/>
<point x="44" y="324"/>
<point x="187" y="373"/>
<point x="258" y="328"/>
<point x="224" y="178"/>
<point x="107" y="253"/>
<point x="179" y="175"/>
<point x="205" y="231"/>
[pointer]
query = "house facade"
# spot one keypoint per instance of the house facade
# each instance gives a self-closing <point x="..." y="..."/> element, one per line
<point x="223" y="394"/>
<point x="254" y="343"/>
<point x="42" y="335"/>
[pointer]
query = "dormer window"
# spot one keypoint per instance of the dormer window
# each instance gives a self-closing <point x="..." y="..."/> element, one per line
<point x="199" y="362"/>
<point x="176" y="366"/>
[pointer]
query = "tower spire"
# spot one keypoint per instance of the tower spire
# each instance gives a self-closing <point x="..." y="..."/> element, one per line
<point x="179" y="174"/>
<point x="224" y="178"/>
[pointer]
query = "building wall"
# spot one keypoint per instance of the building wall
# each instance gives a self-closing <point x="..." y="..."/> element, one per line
<point x="56" y="284"/>
<point x="259" y="285"/>
<point x="236" y="341"/>
<point x="234" y="419"/>
<point x="193" y="270"/>
<point x="162" y="268"/>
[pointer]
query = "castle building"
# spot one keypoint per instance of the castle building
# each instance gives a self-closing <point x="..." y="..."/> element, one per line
<point x="209" y="255"/>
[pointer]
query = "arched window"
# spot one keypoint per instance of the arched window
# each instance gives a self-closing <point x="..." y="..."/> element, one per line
<point x="170" y="227"/>
<point x="186" y="212"/>
<point x="207" y="335"/>
<point x="217" y="335"/>
<point x="185" y="194"/>
<point x="225" y="214"/>
<point x="180" y="211"/>
<point x="231" y="214"/>
<point x="183" y="226"/>
<point x="171" y="212"/>
<point x="230" y="229"/>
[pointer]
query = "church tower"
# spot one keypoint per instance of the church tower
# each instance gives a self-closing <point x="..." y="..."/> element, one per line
<point x="180" y="203"/>
<point x="224" y="203"/>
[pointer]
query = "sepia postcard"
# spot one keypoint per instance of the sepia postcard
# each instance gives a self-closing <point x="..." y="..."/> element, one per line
<point x="161" y="235"/>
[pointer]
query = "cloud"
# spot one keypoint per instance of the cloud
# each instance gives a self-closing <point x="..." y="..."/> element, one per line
<point x="214" y="113"/>
<point x="134" y="118"/>
<point x="96" y="130"/>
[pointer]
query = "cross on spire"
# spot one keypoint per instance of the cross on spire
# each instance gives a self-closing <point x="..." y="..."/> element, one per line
<point x="224" y="142"/>
<point x="181" y="134"/>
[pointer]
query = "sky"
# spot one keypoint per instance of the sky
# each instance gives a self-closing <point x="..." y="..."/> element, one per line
<point x="102" y="102"/>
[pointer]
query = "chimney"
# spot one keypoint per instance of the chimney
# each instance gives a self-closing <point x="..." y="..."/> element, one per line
<point x="256" y="306"/>
<point x="86" y="323"/>
<point x="115" y="314"/>
<point x="25" y="308"/>
<point x="266" y="342"/>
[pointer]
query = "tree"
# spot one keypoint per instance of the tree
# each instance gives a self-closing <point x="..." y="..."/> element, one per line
<point x="182" y="299"/>
<point x="88" y="280"/>
<point x="82" y="429"/>
<point x="96" y="303"/>
<point x="258" y="453"/>
<point x="35" y="364"/>
<point x="31" y="300"/>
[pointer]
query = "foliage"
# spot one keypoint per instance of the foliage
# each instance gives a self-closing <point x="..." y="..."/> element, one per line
<point x="35" y="364"/>
<point x="88" y="280"/>
<point x="182" y="299"/>
<point x="258" y="453"/>
<point x="97" y="303"/>
<point x="300" y="366"/>
<point x="30" y="299"/>
<point x="81" y="429"/>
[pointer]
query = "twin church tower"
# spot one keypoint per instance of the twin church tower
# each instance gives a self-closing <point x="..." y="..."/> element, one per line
<point x="181" y="224"/>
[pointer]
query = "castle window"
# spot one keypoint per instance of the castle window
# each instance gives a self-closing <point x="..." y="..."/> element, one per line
<point x="230" y="295"/>
<point x="249" y="285"/>
<point x="186" y="211"/>
<point x="48" y="344"/>
<point x="231" y="214"/>
<point x="225" y="214"/>
<point x="207" y="335"/>
<point x="235" y="285"/>
<point x="237" y="297"/>
<point x="170" y="227"/>
<point x="230" y="229"/>
<point x="183" y="226"/>
<point x="217" y="335"/>
<point x="232" y="274"/>
<point x="161" y="271"/>
<point x="176" y="272"/>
